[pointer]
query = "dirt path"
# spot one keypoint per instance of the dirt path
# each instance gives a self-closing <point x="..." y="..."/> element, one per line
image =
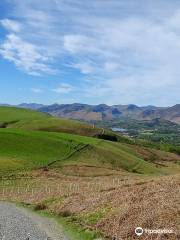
<point x="21" y="224"/>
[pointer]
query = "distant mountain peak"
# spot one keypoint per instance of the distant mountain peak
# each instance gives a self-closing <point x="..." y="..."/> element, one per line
<point x="102" y="111"/>
<point x="34" y="106"/>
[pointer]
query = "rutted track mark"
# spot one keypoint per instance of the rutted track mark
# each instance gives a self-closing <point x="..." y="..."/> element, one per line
<point x="80" y="147"/>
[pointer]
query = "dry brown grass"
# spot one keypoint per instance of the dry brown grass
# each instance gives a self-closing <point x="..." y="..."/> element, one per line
<point x="155" y="155"/>
<point x="118" y="203"/>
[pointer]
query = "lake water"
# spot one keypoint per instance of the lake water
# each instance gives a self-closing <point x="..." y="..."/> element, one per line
<point x="115" y="129"/>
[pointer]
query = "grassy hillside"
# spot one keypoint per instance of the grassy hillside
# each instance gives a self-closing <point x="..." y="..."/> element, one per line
<point x="52" y="124"/>
<point x="13" y="117"/>
<point x="11" y="114"/>
<point x="31" y="140"/>
<point x="22" y="150"/>
<point x="25" y="150"/>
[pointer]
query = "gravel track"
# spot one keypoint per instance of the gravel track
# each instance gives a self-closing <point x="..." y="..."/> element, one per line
<point x="21" y="224"/>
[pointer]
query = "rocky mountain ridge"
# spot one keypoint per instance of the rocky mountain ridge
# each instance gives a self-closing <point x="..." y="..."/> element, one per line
<point x="103" y="112"/>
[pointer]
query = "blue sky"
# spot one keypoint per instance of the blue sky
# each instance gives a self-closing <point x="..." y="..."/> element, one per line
<point x="101" y="51"/>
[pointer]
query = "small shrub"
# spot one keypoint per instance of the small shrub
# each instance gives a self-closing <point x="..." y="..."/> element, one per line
<point x="108" y="137"/>
<point x="40" y="206"/>
<point x="65" y="213"/>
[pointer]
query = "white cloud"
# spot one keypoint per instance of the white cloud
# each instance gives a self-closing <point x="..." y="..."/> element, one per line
<point x="84" y="67"/>
<point x="111" y="66"/>
<point x="63" y="88"/>
<point x="80" y="44"/>
<point x="11" y="25"/>
<point x="25" y="55"/>
<point x="129" y="50"/>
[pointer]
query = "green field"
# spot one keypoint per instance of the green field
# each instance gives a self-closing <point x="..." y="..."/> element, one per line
<point x="34" y="140"/>
<point x="23" y="150"/>
<point x="11" y="117"/>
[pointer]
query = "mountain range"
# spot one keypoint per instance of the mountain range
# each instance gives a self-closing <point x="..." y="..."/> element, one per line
<point x="103" y="112"/>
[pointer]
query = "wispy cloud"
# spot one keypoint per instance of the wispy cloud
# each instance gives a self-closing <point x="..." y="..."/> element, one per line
<point x="129" y="50"/>
<point x="25" y="56"/>
<point x="11" y="25"/>
<point x="63" y="88"/>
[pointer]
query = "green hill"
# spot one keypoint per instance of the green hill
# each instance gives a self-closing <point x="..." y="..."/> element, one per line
<point x="26" y="150"/>
<point x="23" y="150"/>
<point x="31" y="140"/>
<point x="12" y="117"/>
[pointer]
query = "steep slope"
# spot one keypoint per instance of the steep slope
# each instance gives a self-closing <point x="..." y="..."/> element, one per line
<point x="91" y="113"/>
<point x="104" y="112"/>
<point x="170" y="113"/>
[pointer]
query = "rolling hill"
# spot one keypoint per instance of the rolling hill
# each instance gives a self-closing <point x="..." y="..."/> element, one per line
<point x="22" y="150"/>
<point x="30" y="140"/>
<point x="12" y="117"/>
